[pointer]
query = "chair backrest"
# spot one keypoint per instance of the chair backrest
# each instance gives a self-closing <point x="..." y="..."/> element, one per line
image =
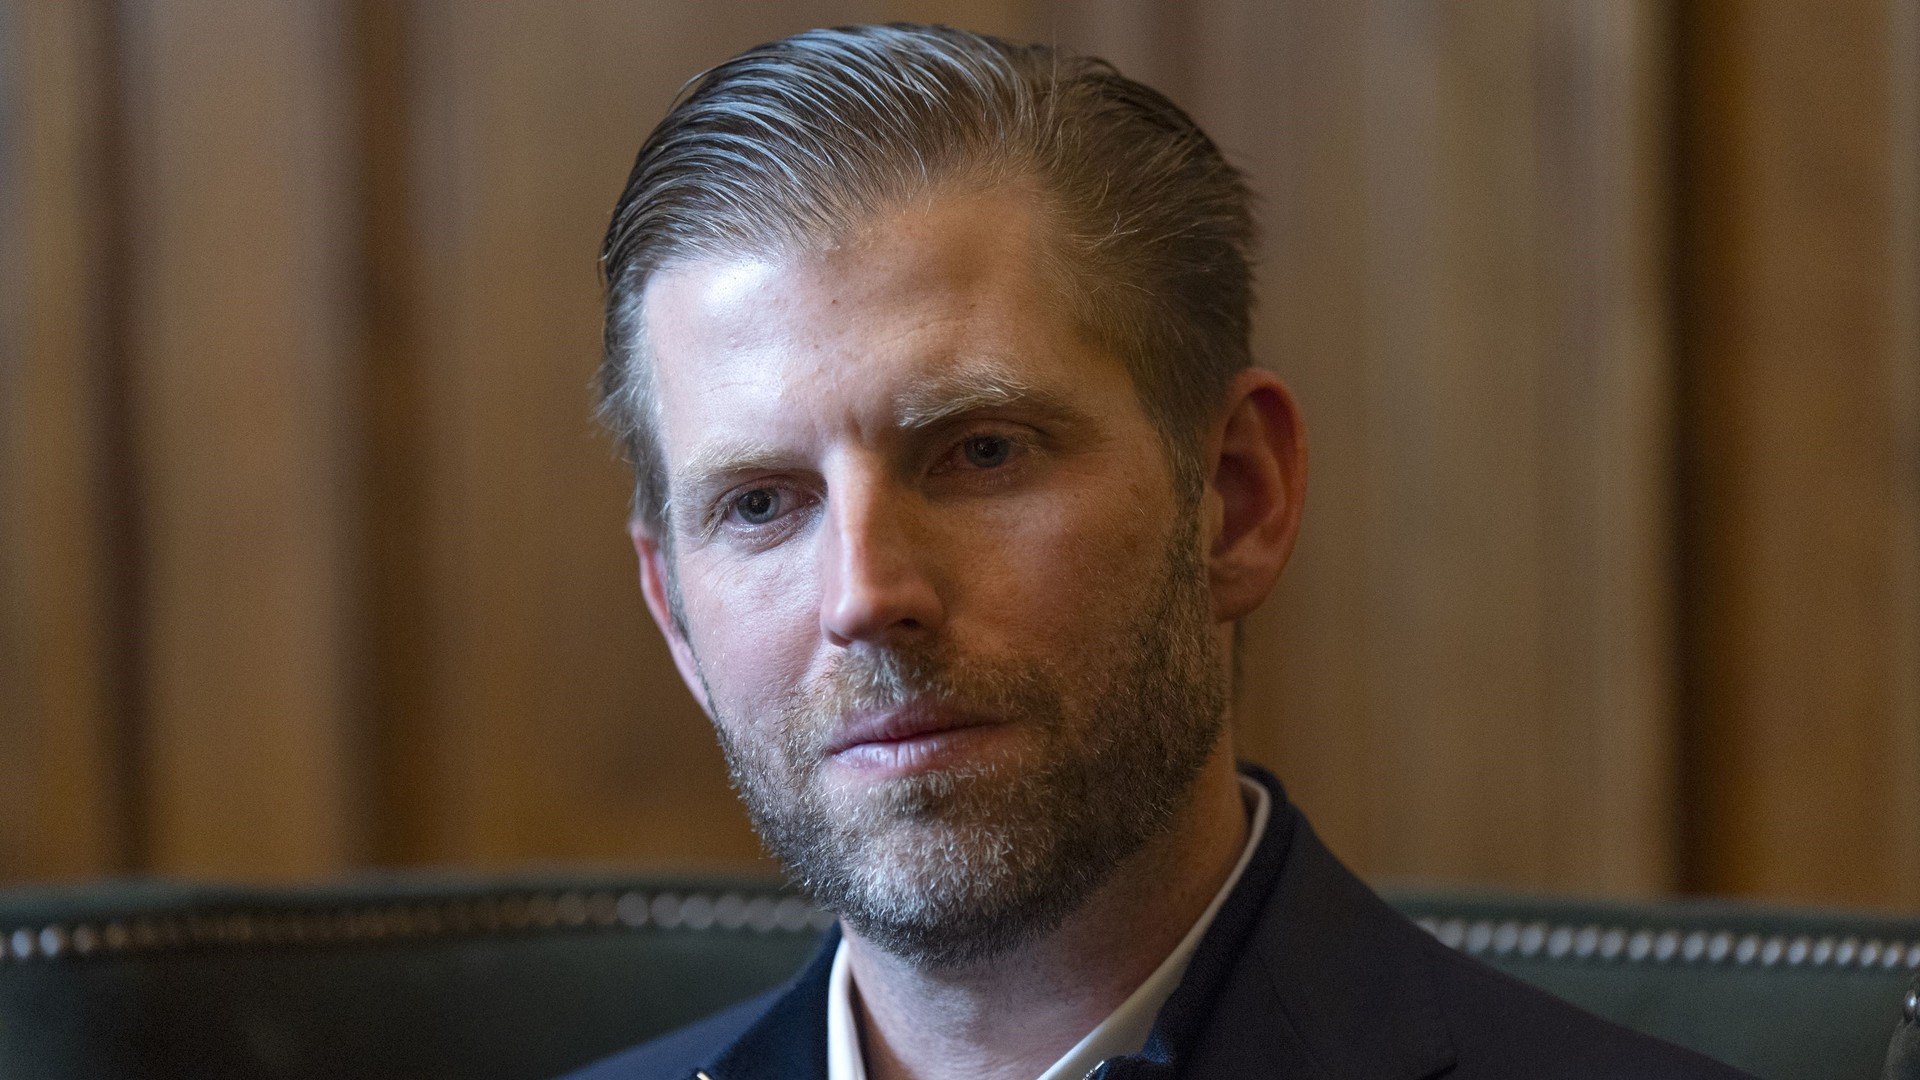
<point x="416" y="976"/>
<point x="1779" y="992"/>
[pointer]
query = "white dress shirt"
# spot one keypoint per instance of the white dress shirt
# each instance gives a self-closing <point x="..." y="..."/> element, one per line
<point x="1123" y="1032"/>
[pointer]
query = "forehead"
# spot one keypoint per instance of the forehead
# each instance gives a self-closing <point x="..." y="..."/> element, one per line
<point x="934" y="298"/>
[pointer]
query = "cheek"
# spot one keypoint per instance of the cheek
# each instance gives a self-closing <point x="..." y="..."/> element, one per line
<point x="1073" y="568"/>
<point x="752" y="624"/>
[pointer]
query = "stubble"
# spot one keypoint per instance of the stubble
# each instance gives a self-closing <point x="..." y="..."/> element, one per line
<point x="949" y="867"/>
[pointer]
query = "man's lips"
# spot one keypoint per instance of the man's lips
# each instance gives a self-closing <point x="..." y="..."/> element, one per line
<point x="902" y="725"/>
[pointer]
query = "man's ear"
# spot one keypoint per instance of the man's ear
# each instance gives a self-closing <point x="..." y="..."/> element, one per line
<point x="1257" y="483"/>
<point x="653" y="586"/>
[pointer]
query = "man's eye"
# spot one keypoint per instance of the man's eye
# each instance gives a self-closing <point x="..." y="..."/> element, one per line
<point x="987" y="451"/>
<point x="757" y="507"/>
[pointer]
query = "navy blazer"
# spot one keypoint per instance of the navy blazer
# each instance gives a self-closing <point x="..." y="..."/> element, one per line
<point x="1304" y="973"/>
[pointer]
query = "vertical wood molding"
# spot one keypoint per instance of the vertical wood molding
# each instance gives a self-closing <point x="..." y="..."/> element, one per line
<point x="1518" y="520"/>
<point x="1800" y="409"/>
<point x="59" y="677"/>
<point x="242" y="329"/>
<point x="1903" y="403"/>
<point x="1604" y="128"/>
<point x="396" y="626"/>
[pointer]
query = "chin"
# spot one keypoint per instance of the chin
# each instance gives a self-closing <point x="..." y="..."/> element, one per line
<point x="945" y="897"/>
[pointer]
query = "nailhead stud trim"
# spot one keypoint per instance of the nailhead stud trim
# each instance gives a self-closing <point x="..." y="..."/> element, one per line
<point x="488" y="915"/>
<point x="773" y="913"/>
<point x="1503" y="939"/>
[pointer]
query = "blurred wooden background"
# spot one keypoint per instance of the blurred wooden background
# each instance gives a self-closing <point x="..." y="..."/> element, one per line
<point x="1605" y="316"/>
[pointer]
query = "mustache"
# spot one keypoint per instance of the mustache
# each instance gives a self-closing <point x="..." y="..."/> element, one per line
<point x="869" y="680"/>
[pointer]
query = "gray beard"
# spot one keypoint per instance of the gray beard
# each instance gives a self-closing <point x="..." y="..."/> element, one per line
<point x="949" y="868"/>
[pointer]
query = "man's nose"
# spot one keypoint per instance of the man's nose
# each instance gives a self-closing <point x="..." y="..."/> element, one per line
<point x="875" y="581"/>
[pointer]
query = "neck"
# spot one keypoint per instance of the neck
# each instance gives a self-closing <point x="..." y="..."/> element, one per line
<point x="1013" y="1016"/>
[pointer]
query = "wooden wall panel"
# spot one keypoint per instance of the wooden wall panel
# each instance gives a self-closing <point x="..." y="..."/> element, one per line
<point x="1804" y="449"/>
<point x="242" y="331"/>
<point x="1609" y="344"/>
<point x="1466" y="673"/>
<point x="1902" y="406"/>
<point x="62" y="785"/>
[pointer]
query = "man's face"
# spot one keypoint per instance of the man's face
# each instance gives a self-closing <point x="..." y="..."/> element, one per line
<point x="939" y="592"/>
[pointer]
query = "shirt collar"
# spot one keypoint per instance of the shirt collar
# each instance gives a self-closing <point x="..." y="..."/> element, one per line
<point x="1124" y="1031"/>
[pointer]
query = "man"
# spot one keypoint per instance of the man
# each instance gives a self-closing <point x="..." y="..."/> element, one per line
<point x="954" y="479"/>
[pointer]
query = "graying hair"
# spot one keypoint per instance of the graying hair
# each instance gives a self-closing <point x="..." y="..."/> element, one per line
<point x="798" y="142"/>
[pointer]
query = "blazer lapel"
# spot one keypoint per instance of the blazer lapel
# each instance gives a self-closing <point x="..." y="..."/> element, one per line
<point x="789" y="1040"/>
<point x="1344" y="981"/>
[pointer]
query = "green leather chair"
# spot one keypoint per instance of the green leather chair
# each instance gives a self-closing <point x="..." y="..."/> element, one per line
<point x="420" y="977"/>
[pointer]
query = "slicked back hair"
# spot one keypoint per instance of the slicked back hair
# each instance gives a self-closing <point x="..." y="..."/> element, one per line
<point x="797" y="143"/>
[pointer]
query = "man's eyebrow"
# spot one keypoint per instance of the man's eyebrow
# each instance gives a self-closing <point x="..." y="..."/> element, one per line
<point x="929" y="402"/>
<point x="716" y="461"/>
<point x="970" y="388"/>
